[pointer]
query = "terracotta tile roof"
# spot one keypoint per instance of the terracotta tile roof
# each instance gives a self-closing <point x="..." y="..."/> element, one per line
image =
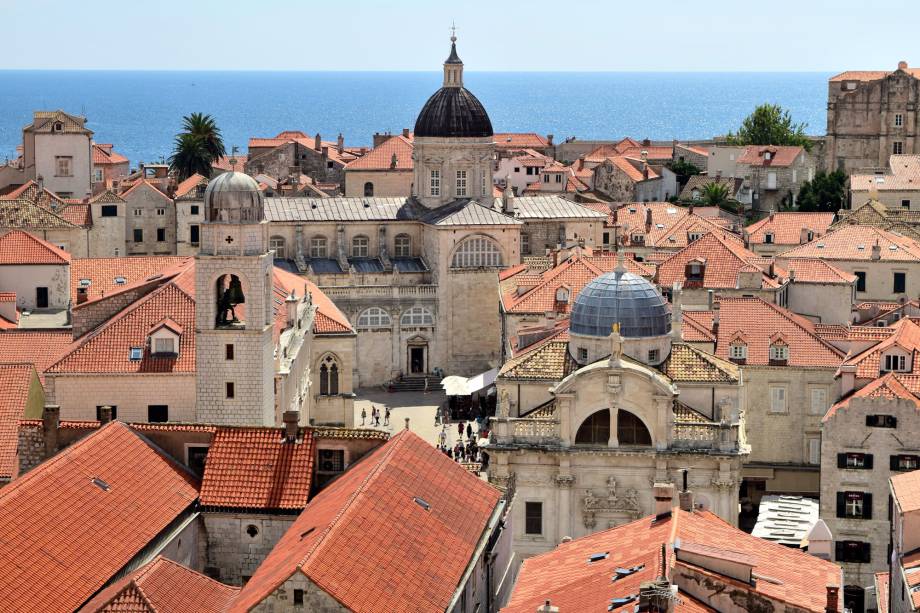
<point x="72" y="124"/>
<point x="903" y="175"/>
<point x="107" y="349"/>
<point x="868" y="362"/>
<point x="103" y="272"/>
<point x="828" y="332"/>
<point x="223" y="163"/>
<point x="724" y="258"/>
<point x="688" y="364"/>
<point x="670" y="228"/>
<point x="696" y="327"/>
<point x="41" y="348"/>
<point x="16" y="382"/>
<point x="758" y="321"/>
<point x="77" y="214"/>
<point x="150" y="185"/>
<point x="23" y="213"/>
<point x="74" y="521"/>
<point x="631" y="167"/>
<point x="906" y="489"/>
<point x="107" y="197"/>
<point x="43" y="197"/>
<point x="566" y="578"/>
<point x="891" y="385"/>
<point x="104" y="154"/>
<point x="852" y="242"/>
<point x="870" y="75"/>
<point x="547" y="359"/>
<point x="349" y="433"/>
<point x="815" y="270"/>
<point x="189" y="186"/>
<point x="520" y="140"/>
<point x="699" y="182"/>
<point x="755" y="155"/>
<point x="381" y="157"/>
<point x="631" y="148"/>
<point x="256" y="468"/>
<point x="163" y="586"/>
<point x="18" y="247"/>
<point x="910" y="563"/>
<point x="366" y="528"/>
<point x="881" y="592"/>
<point x="329" y="319"/>
<point x="786" y="227"/>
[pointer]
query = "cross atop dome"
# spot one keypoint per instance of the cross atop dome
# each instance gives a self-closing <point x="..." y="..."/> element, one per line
<point x="453" y="65"/>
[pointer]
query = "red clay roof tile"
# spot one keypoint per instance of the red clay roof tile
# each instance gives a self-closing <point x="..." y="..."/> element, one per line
<point x="16" y="382"/>
<point x="18" y="247"/>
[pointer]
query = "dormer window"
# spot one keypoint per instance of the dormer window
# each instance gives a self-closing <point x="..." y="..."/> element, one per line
<point x="695" y="270"/>
<point x="562" y="298"/>
<point x="767" y="155"/>
<point x="136" y="353"/>
<point x="768" y="238"/>
<point x="779" y="351"/>
<point x="120" y="280"/>
<point x="737" y="352"/>
<point x="694" y="236"/>
<point x="164" y="346"/>
<point x="58" y="126"/>
<point x="637" y="239"/>
<point x="895" y="363"/>
<point x="164" y="338"/>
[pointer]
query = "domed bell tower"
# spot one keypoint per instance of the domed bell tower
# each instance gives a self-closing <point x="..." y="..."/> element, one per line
<point x="233" y="312"/>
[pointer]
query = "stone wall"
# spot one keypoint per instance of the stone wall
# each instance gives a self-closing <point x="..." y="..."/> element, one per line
<point x="80" y="394"/>
<point x="185" y="219"/>
<point x="879" y="276"/>
<point x="387" y="183"/>
<point x="232" y="550"/>
<point x="547" y="234"/>
<point x="107" y="235"/>
<point x="314" y="598"/>
<point x="25" y="280"/>
<point x="280" y="161"/>
<point x="148" y="200"/>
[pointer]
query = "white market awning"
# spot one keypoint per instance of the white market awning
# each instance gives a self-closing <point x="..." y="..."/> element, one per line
<point x="461" y="386"/>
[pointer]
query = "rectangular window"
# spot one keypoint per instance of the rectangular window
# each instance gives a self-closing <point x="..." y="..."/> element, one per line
<point x="900" y="282"/>
<point x="768" y="238"/>
<point x="898" y="120"/>
<point x="194" y="234"/>
<point x="138" y="212"/>
<point x="164" y="345"/>
<point x="318" y="247"/>
<point x="435" y="184"/>
<point x="779" y="352"/>
<point x="860" y="281"/>
<point x="653" y="356"/>
<point x="161" y="235"/>
<point x="905" y="462"/>
<point x="814" y="449"/>
<point x="482" y="185"/>
<point x="157" y="413"/>
<point x="161" y="211"/>
<point x="63" y="166"/>
<point x="461" y="183"/>
<point x="737" y="352"/>
<point x="771" y="180"/>
<point x="533" y="518"/>
<point x="582" y="355"/>
<point x="854" y="505"/>
<point x="777" y="399"/>
<point x="895" y="363"/>
<point x="193" y="209"/>
<point x="525" y="243"/>
<point x="99" y="412"/>
<point x="905" y="204"/>
<point x="897" y="147"/>
<point x="298" y="598"/>
<point x="138" y="235"/>
<point x="818" y="401"/>
<point x="881" y="421"/>
<point x="228" y="351"/>
<point x="858" y="461"/>
<point x="231" y="391"/>
<point x="97" y="175"/>
<point x="606" y="238"/>
<point x="110" y="210"/>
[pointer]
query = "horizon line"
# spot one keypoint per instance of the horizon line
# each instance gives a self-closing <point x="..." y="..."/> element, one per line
<point x="411" y="70"/>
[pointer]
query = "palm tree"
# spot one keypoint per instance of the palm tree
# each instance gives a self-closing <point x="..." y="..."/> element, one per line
<point x="197" y="146"/>
<point x="715" y="193"/>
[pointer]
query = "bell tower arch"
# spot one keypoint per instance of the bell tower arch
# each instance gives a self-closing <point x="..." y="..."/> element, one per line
<point x="233" y="312"/>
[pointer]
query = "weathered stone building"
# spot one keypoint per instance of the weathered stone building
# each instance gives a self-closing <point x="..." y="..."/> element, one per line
<point x="150" y="220"/>
<point x="774" y="174"/>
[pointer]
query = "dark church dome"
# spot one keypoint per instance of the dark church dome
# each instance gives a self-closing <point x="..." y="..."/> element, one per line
<point x="623" y="298"/>
<point x="453" y="111"/>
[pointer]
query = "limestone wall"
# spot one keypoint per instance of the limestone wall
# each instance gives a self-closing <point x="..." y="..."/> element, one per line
<point x="386" y="183"/>
<point x="142" y="205"/>
<point x="233" y="550"/>
<point x="79" y="395"/>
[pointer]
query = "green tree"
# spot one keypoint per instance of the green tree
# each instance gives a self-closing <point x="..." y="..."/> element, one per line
<point x="770" y="124"/>
<point x="197" y="146"/>
<point x="826" y="192"/>
<point x="715" y="194"/>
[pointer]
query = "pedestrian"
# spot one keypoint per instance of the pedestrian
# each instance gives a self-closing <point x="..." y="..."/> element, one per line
<point x="426" y="385"/>
<point x="442" y="438"/>
<point x="386" y="416"/>
<point x="450" y="454"/>
<point x="469" y="431"/>
<point x="377" y="416"/>
<point x="363" y="415"/>
<point x="460" y="429"/>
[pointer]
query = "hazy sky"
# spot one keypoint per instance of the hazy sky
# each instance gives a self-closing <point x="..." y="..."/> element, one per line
<point x="662" y="35"/>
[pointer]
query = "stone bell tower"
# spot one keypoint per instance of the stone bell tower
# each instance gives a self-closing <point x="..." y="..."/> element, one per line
<point x="233" y="313"/>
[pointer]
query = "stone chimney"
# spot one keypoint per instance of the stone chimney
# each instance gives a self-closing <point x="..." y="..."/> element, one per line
<point x="677" y="316"/>
<point x="51" y="424"/>
<point x="290" y="304"/>
<point x="648" y="220"/>
<point x="833" y="592"/>
<point x="643" y="155"/>
<point x="291" y="421"/>
<point x="685" y="496"/>
<point x="902" y="65"/>
<point x="40" y="180"/>
<point x="394" y="161"/>
<point x="715" y="319"/>
<point x="876" y="251"/>
<point x="105" y="414"/>
<point x="663" y="493"/>
<point x="549" y="140"/>
<point x="690" y="209"/>
<point x="325" y="152"/>
<point x="405" y="132"/>
<point x="317" y="142"/>
<point x="547" y="608"/>
<point x="340" y="143"/>
<point x="644" y="169"/>
<point x="710" y="294"/>
<point x="772" y="214"/>
<point x="820" y="541"/>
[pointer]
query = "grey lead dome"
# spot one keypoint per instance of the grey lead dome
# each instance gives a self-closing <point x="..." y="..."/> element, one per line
<point x="624" y="298"/>
<point x="234" y="197"/>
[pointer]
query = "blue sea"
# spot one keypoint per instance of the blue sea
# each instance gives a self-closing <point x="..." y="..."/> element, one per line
<point x="140" y="112"/>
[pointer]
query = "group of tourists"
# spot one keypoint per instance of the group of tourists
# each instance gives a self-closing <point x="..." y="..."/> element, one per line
<point x="375" y="416"/>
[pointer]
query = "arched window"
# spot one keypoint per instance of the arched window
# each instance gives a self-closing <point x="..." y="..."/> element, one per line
<point x="477" y="252"/>
<point x="595" y="430"/>
<point x="374" y="317"/>
<point x="417" y="316"/>
<point x="631" y="430"/>
<point x="229" y="296"/>
<point x="276" y="243"/>
<point x="562" y="294"/>
<point x="402" y="246"/>
<point x="329" y="377"/>
<point x="318" y="247"/>
<point x="368" y="190"/>
<point x="360" y="246"/>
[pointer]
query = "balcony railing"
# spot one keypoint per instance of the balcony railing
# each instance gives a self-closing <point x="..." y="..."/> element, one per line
<point x="525" y="431"/>
<point x="380" y="291"/>
<point x="718" y="436"/>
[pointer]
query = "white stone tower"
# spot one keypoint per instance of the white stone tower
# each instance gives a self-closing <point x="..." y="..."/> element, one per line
<point x="234" y="314"/>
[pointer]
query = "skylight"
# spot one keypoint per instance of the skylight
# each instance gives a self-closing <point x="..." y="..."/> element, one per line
<point x="120" y="280"/>
<point x="85" y="282"/>
<point x="136" y="353"/>
<point x="597" y="557"/>
<point x="619" y="602"/>
<point x="625" y="572"/>
<point x="422" y="503"/>
<point x="102" y="485"/>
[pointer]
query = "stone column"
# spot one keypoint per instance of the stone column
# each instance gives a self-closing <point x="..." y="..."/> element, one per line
<point x="565" y="409"/>
<point x="564" y="481"/>
<point x="614" y="441"/>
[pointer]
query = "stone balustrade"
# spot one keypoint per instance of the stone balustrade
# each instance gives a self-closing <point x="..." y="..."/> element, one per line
<point x="380" y="291"/>
<point x="530" y="431"/>
<point x="717" y="436"/>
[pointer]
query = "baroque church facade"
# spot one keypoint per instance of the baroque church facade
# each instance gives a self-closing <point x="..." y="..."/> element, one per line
<point x="610" y="408"/>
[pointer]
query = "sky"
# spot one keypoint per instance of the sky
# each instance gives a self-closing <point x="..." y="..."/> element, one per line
<point x="494" y="35"/>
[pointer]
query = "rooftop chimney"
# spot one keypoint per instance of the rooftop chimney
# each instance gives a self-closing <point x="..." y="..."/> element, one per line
<point x="340" y="143"/>
<point x="648" y="220"/>
<point x="291" y="425"/>
<point x="407" y="423"/>
<point x="820" y="540"/>
<point x="549" y="140"/>
<point x="832" y="593"/>
<point x="40" y="180"/>
<point x="290" y="304"/>
<point x="685" y="496"/>
<point x="325" y="151"/>
<point x="405" y="132"/>
<point x="772" y="213"/>
<point x="876" y="251"/>
<point x="709" y="299"/>
<point x="51" y="423"/>
<point x="547" y="608"/>
<point x="715" y="318"/>
<point x="317" y="142"/>
<point x="105" y="414"/>
<point x="677" y="315"/>
<point x="902" y="65"/>
<point x="690" y="209"/>
<point x="663" y="494"/>
<point x="394" y="161"/>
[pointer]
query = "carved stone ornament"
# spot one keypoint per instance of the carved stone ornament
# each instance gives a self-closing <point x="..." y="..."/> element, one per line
<point x="504" y="403"/>
<point x="592" y="505"/>
<point x="565" y="481"/>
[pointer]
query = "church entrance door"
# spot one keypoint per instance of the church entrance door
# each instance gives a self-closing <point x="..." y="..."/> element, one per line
<point x="417" y="360"/>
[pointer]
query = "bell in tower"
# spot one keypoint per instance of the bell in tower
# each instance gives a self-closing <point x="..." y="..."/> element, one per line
<point x="229" y="296"/>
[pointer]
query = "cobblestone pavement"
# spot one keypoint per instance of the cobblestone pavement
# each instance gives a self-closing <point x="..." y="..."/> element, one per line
<point x="419" y="407"/>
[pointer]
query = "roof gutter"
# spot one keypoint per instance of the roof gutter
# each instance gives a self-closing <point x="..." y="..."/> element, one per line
<point x="484" y="538"/>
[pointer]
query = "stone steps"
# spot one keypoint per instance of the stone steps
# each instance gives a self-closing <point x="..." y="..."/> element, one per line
<point x="416" y="383"/>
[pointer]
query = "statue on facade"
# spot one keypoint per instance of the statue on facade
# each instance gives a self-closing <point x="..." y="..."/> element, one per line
<point x="504" y="404"/>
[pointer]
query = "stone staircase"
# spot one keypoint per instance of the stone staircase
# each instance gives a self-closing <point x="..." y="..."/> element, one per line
<point x="416" y="383"/>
